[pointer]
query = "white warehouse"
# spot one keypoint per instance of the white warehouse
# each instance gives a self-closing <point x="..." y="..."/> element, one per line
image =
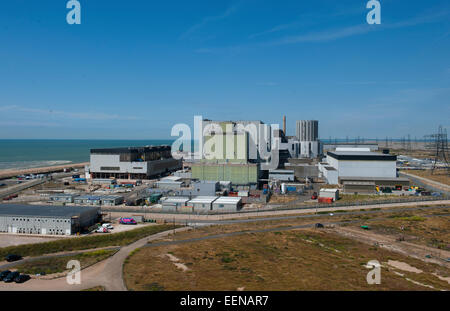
<point x="357" y="162"/>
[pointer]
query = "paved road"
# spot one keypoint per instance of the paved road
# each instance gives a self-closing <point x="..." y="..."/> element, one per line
<point x="439" y="185"/>
<point x="107" y="273"/>
<point x="21" y="187"/>
<point x="193" y="218"/>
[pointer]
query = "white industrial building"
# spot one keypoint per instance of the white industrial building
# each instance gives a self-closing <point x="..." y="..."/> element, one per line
<point x="357" y="162"/>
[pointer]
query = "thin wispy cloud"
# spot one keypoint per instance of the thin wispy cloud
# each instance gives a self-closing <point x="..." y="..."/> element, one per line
<point x="209" y="19"/>
<point x="334" y="34"/>
<point x="69" y="115"/>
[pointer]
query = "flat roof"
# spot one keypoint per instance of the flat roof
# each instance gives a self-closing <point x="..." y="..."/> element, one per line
<point x="373" y="179"/>
<point x="227" y="200"/>
<point x="281" y="172"/>
<point x="359" y="183"/>
<point x="170" y="178"/>
<point x="176" y="200"/>
<point x="130" y="149"/>
<point x="111" y="197"/>
<point x="88" y="197"/>
<point x="361" y="155"/>
<point x="328" y="190"/>
<point x="43" y="210"/>
<point x="203" y="199"/>
<point x="63" y="195"/>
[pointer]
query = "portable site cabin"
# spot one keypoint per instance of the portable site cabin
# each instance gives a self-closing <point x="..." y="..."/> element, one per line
<point x="202" y="203"/>
<point x="228" y="204"/>
<point x="112" y="200"/>
<point x="329" y="193"/>
<point x="173" y="204"/>
<point x="62" y="198"/>
<point x="88" y="200"/>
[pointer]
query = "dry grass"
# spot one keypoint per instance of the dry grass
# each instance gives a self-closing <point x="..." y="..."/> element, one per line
<point x="430" y="231"/>
<point x="441" y="176"/>
<point x="59" y="264"/>
<point x="275" y="198"/>
<point x="285" y="260"/>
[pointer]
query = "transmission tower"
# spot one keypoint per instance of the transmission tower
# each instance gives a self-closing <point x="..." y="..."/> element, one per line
<point x="439" y="144"/>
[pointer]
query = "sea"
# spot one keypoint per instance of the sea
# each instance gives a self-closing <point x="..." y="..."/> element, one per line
<point x="32" y="153"/>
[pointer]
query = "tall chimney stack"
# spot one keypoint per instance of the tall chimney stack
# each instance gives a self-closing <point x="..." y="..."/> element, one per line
<point x="284" y="125"/>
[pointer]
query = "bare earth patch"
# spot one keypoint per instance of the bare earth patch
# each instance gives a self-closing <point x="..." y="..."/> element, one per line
<point x="403" y="266"/>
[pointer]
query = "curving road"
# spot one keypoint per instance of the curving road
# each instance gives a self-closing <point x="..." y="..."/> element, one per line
<point x="107" y="273"/>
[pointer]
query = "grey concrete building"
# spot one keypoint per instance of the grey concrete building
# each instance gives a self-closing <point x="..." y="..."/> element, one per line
<point x="132" y="163"/>
<point x="46" y="220"/>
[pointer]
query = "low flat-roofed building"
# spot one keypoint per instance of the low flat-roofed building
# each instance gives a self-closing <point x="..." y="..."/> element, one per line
<point x="329" y="193"/>
<point x="202" y="203"/>
<point x="229" y="204"/>
<point x="379" y="181"/>
<point x="111" y="200"/>
<point x="173" y="204"/>
<point x="203" y="188"/>
<point x="359" y="187"/>
<point x="62" y="198"/>
<point x="46" y="219"/>
<point x="88" y="200"/>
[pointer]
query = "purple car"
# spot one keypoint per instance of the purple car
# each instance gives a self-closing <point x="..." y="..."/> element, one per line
<point x="127" y="221"/>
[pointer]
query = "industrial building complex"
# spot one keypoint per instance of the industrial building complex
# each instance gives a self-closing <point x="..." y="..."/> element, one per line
<point x="231" y="174"/>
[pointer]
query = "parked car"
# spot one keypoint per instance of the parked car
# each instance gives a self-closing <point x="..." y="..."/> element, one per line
<point x="2" y="185"/>
<point x="13" y="257"/>
<point x="108" y="226"/>
<point x="102" y="230"/>
<point x="22" y="278"/>
<point x="318" y="225"/>
<point x="3" y="274"/>
<point x="127" y="221"/>
<point x="11" y="276"/>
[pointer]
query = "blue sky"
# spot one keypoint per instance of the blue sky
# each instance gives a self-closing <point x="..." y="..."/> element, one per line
<point x="133" y="69"/>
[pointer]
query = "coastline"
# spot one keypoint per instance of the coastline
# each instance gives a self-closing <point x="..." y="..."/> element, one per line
<point x="7" y="173"/>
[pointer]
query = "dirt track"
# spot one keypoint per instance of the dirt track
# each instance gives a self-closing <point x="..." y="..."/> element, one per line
<point x="390" y="242"/>
<point x="107" y="273"/>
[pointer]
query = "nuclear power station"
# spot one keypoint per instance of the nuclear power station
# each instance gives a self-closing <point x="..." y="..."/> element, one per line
<point x="307" y="132"/>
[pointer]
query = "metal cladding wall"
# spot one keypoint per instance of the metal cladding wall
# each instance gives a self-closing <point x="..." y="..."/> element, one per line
<point x="360" y="168"/>
<point x="50" y="225"/>
<point x="307" y="130"/>
<point x="242" y="174"/>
